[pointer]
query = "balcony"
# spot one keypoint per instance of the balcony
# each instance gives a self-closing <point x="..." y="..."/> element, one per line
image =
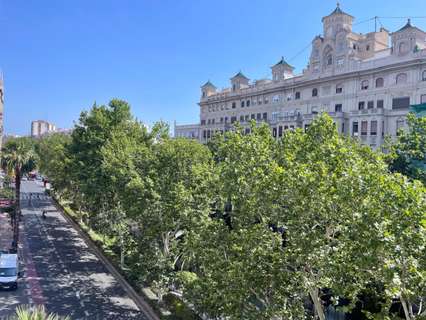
<point x="373" y="111"/>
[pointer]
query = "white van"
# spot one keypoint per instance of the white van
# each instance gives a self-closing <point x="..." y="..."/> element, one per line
<point x="9" y="271"/>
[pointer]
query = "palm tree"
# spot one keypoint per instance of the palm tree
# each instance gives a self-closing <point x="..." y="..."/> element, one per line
<point x="18" y="157"/>
<point x="36" y="313"/>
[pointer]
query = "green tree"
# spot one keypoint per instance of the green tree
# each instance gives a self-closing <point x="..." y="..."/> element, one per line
<point x="90" y="135"/>
<point x="403" y="267"/>
<point x="54" y="160"/>
<point x="18" y="158"/>
<point x="128" y="148"/>
<point x="299" y="218"/>
<point x="169" y="194"/>
<point x="330" y="205"/>
<point x="408" y="154"/>
<point x="241" y="269"/>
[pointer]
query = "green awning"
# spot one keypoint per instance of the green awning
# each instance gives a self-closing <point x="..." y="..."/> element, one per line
<point x="419" y="109"/>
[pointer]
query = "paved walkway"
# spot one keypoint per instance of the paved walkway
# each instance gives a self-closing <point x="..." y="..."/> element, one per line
<point x="5" y="232"/>
<point x="10" y="299"/>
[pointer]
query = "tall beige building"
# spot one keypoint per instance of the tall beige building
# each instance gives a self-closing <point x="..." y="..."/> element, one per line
<point x="41" y="127"/>
<point x="366" y="82"/>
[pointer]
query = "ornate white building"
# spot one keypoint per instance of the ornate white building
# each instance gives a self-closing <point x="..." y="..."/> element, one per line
<point x="366" y="82"/>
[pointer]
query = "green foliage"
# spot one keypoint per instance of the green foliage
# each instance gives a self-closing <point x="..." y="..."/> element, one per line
<point x="408" y="154"/>
<point x="35" y="313"/>
<point x="179" y="309"/>
<point x="6" y="193"/>
<point x="18" y="156"/>
<point x="53" y="160"/>
<point x="93" y="131"/>
<point x="247" y="227"/>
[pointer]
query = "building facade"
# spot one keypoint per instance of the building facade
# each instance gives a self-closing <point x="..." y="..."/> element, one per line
<point x="365" y="82"/>
<point x="191" y="131"/>
<point x="41" y="127"/>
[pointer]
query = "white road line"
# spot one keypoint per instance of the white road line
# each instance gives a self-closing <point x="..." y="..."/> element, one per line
<point x="86" y="313"/>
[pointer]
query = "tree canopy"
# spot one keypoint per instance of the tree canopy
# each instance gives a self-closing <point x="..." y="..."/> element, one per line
<point x="408" y="154"/>
<point x="249" y="226"/>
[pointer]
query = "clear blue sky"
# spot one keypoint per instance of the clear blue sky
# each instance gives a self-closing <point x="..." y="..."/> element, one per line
<point x="59" y="56"/>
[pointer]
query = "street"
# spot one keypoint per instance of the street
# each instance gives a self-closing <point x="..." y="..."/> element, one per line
<point x="60" y="270"/>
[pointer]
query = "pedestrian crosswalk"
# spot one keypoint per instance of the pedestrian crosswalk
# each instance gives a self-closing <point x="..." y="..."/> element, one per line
<point x="34" y="196"/>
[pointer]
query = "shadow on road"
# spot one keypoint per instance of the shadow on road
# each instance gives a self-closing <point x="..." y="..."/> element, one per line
<point x="73" y="280"/>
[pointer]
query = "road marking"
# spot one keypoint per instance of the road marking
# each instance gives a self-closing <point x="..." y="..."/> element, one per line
<point x="86" y="313"/>
<point x="35" y="288"/>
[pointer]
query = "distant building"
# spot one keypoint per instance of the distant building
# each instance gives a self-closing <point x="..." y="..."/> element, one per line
<point x="41" y="127"/>
<point x="191" y="131"/>
<point x="63" y="131"/>
<point x="365" y="82"/>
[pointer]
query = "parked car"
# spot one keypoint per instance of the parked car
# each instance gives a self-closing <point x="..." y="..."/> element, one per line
<point x="9" y="271"/>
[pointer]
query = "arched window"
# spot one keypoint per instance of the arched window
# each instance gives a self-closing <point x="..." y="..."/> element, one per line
<point x="424" y="75"/>
<point x="315" y="92"/>
<point x="364" y="84"/>
<point x="328" y="56"/>
<point x="380" y="82"/>
<point x="401" y="78"/>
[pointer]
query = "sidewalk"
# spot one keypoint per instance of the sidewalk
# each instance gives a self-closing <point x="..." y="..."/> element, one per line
<point x="5" y="232"/>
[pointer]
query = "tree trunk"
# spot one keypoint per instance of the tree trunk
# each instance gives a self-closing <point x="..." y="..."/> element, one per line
<point x="18" y="187"/>
<point x="313" y="292"/>
<point x="17" y="207"/>
<point x="405" y="307"/>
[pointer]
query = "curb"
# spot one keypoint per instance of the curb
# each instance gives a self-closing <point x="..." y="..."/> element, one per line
<point x="139" y="301"/>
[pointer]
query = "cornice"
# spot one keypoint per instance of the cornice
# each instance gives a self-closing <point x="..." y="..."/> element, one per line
<point x="320" y="80"/>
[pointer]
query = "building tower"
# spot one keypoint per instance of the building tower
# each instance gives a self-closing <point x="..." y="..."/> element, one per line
<point x="239" y="81"/>
<point x="207" y="89"/>
<point x="408" y="39"/>
<point x="336" y="22"/>
<point x="282" y="70"/>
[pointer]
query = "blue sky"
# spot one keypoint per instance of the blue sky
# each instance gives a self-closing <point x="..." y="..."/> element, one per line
<point x="59" y="56"/>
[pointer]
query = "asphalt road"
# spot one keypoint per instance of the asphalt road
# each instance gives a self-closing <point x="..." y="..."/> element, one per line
<point x="60" y="270"/>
